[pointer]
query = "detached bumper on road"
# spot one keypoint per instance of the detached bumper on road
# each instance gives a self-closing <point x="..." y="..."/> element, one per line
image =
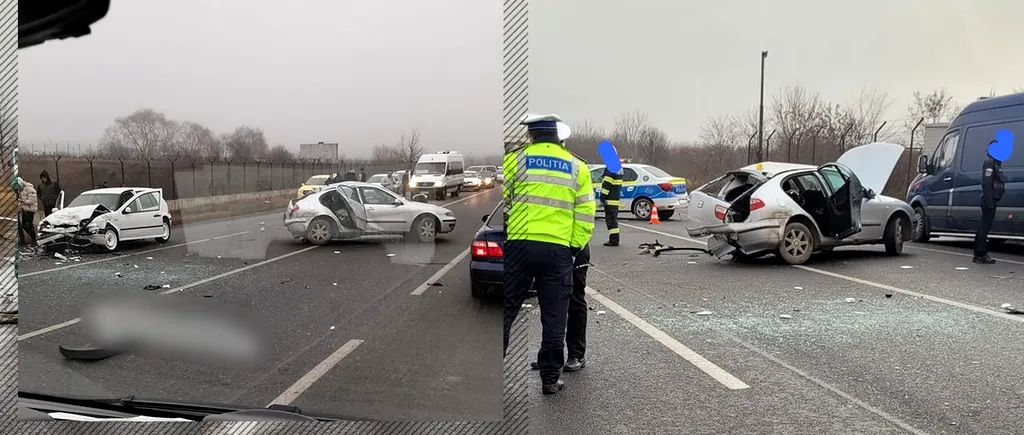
<point x="746" y="237"/>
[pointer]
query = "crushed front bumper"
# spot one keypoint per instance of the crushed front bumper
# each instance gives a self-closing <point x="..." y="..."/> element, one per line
<point x="746" y="237"/>
<point x="73" y="236"/>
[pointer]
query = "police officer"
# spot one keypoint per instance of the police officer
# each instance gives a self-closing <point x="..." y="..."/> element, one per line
<point x="549" y="217"/>
<point x="993" y="185"/>
<point x="611" y="186"/>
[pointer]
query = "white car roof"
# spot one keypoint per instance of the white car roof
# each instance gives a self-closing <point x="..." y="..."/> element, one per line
<point x="769" y="169"/>
<point x="117" y="190"/>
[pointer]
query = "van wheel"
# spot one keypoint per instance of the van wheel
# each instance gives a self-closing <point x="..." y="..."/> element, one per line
<point x="893" y="237"/>
<point x="642" y="209"/>
<point x="797" y="243"/>
<point x="921" y="232"/>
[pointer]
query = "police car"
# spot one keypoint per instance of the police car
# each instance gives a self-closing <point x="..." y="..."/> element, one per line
<point x="643" y="186"/>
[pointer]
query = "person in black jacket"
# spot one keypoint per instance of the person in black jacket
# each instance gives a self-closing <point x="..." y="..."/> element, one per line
<point x="993" y="185"/>
<point x="49" y="191"/>
<point x="351" y="175"/>
<point x="611" y="186"/>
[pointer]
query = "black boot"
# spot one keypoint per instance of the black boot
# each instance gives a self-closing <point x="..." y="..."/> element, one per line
<point x="985" y="259"/>
<point x="611" y="243"/>
<point x="553" y="388"/>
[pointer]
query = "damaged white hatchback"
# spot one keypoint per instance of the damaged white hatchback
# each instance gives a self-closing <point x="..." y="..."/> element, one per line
<point x="108" y="216"/>
<point x="795" y="210"/>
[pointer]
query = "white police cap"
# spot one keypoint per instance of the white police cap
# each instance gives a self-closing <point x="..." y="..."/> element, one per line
<point x="563" y="131"/>
<point x="533" y="118"/>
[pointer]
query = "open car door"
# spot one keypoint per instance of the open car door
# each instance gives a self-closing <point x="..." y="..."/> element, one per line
<point x="356" y="209"/>
<point x="140" y="217"/>
<point x="845" y="198"/>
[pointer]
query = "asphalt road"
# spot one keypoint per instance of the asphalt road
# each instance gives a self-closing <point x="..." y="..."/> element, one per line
<point x="348" y="336"/>
<point x="937" y="356"/>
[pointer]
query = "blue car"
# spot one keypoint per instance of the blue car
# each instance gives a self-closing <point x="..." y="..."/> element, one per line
<point x="946" y="195"/>
<point x="486" y="264"/>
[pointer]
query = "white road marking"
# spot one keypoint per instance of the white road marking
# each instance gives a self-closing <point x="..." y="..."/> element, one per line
<point x="52" y="328"/>
<point x="162" y="248"/>
<point x="426" y="284"/>
<point x="974" y="308"/>
<point x="468" y="197"/>
<point x="960" y="254"/>
<point x="293" y="392"/>
<point x="717" y="373"/>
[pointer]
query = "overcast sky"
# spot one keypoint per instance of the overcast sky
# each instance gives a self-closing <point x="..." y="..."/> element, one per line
<point x="361" y="73"/>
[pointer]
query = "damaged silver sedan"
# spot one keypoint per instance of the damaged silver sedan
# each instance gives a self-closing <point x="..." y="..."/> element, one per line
<point x="106" y="217"/>
<point x="795" y="210"/>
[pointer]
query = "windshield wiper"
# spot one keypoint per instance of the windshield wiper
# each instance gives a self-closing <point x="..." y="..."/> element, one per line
<point x="128" y="406"/>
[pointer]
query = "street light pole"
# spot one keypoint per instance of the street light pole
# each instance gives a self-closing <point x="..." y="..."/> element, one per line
<point x="760" y="112"/>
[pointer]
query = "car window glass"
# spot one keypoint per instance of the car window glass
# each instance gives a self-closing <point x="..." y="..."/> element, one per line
<point x="628" y="175"/>
<point x="834" y="179"/>
<point x="975" y="145"/>
<point x="596" y="175"/>
<point x="124" y="198"/>
<point x="350" y="193"/>
<point x="148" y="202"/>
<point x="375" y="196"/>
<point x="948" y="151"/>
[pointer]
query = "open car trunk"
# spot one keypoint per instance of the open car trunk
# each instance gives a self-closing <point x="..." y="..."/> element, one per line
<point x="722" y="200"/>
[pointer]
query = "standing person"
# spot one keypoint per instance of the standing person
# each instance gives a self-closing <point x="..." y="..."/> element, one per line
<point x="362" y="174"/>
<point x="549" y="206"/>
<point x="333" y="178"/>
<point x="611" y="187"/>
<point x="351" y="175"/>
<point x="405" y="182"/>
<point x="27" y="206"/>
<point x="49" y="190"/>
<point x="993" y="185"/>
<point x="576" y="326"/>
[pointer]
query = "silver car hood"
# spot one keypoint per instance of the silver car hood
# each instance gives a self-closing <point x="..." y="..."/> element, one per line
<point x="72" y="216"/>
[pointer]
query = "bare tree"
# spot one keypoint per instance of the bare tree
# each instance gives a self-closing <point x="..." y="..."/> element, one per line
<point x="629" y="131"/>
<point x="935" y="106"/>
<point x="653" y="145"/>
<point x="721" y="137"/>
<point x="145" y="133"/>
<point x="386" y="154"/>
<point x="409" y="149"/>
<point x="195" y="139"/>
<point x="280" y="153"/>
<point x="247" y="142"/>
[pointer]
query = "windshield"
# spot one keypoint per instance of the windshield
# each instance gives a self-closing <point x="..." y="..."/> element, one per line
<point x="376" y="179"/>
<point x="316" y="180"/>
<point x="431" y="168"/>
<point x="108" y="200"/>
<point x="657" y="172"/>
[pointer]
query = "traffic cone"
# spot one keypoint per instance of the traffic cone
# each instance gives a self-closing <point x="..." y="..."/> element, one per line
<point x="654" y="215"/>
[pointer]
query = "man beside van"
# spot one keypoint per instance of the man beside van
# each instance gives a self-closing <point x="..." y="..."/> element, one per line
<point x="993" y="185"/>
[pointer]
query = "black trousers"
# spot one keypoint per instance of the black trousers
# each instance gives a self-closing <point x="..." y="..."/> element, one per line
<point x="549" y="267"/>
<point x="576" y="331"/>
<point x="27" y="225"/>
<point x="988" y="215"/>
<point x="611" y="219"/>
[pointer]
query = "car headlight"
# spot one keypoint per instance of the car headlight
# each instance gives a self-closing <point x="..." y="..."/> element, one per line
<point x="449" y="214"/>
<point x="437" y="184"/>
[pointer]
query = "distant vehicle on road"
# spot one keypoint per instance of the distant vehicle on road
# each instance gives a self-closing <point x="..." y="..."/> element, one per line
<point x="382" y="180"/>
<point x="440" y="173"/>
<point x="946" y="195"/>
<point x="500" y="174"/>
<point x="352" y="209"/>
<point x="644" y="186"/>
<point x="485" y="176"/>
<point x="795" y="210"/>
<point x="314" y="183"/>
<point x="108" y="216"/>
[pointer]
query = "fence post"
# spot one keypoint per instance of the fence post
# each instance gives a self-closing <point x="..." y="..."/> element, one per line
<point x="750" y="144"/>
<point x="874" y="138"/>
<point x="121" y="159"/>
<point x="174" y="184"/>
<point x="842" y="139"/>
<point x="56" y="165"/>
<point x="910" y="157"/>
<point x="149" y="170"/>
<point x="92" y="174"/>
<point x="814" y="145"/>
<point x="768" y="146"/>
<point x="192" y="163"/>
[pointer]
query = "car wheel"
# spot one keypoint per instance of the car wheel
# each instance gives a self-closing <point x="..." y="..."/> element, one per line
<point x="642" y="208"/>
<point x="320" y="231"/>
<point x="110" y="239"/>
<point x="921" y="233"/>
<point x="166" y="234"/>
<point x="893" y="237"/>
<point x="424" y="229"/>
<point x="797" y="243"/>
<point x="666" y="215"/>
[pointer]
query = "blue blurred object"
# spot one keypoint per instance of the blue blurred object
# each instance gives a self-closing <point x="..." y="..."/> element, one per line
<point x="1002" y="148"/>
<point x="610" y="157"/>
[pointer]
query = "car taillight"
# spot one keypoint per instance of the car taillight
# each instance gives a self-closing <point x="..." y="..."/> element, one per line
<point x="486" y="249"/>
<point x="665" y="186"/>
<point x="720" y="212"/>
<point x="756" y="204"/>
<point x="295" y="208"/>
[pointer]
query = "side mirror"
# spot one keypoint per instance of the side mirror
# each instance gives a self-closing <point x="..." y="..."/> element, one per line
<point x="485" y="218"/>
<point x="127" y="210"/>
<point x="922" y="164"/>
<point x="397" y="203"/>
<point x="870" y="194"/>
<point x="54" y="210"/>
<point x="420" y="197"/>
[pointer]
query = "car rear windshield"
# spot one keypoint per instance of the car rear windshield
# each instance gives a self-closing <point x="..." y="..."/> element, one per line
<point x="108" y="200"/>
<point x="316" y="180"/>
<point x="731" y="186"/>
<point x="497" y="220"/>
<point x="657" y="172"/>
<point x="474" y="169"/>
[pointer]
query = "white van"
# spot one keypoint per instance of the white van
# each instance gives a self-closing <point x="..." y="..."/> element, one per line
<point x="439" y="173"/>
